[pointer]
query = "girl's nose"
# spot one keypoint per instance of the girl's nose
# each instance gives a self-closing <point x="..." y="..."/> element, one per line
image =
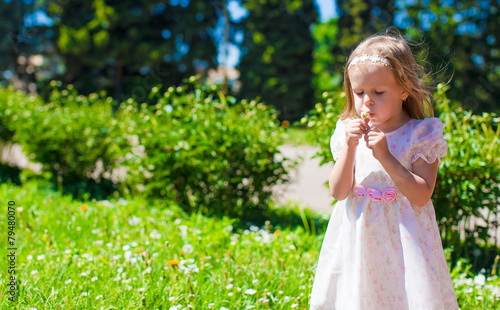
<point x="367" y="100"/>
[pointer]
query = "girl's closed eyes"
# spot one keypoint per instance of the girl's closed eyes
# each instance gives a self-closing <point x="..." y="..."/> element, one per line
<point x="359" y="93"/>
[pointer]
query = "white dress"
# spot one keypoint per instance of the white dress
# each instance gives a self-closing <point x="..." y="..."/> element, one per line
<point x="380" y="251"/>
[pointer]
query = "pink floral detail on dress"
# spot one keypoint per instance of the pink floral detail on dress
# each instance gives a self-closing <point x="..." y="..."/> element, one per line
<point x="388" y="195"/>
<point x="374" y="194"/>
<point x="359" y="190"/>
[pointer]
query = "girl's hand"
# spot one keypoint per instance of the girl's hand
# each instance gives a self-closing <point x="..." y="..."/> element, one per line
<point x="376" y="141"/>
<point x="354" y="130"/>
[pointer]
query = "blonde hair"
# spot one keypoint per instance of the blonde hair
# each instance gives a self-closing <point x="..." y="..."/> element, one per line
<point x="409" y="75"/>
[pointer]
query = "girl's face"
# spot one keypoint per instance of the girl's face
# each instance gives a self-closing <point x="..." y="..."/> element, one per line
<point x="377" y="93"/>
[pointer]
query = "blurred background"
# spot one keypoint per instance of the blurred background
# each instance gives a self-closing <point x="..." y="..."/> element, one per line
<point x="287" y="53"/>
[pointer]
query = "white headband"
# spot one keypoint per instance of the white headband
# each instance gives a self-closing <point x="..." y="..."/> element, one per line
<point x="372" y="58"/>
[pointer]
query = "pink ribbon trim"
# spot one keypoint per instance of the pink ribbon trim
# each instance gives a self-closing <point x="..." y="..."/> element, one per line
<point x="388" y="195"/>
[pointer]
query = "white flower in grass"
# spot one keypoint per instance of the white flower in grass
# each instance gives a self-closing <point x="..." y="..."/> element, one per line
<point x="128" y="287"/>
<point x="210" y="305"/>
<point x="85" y="294"/>
<point x="33" y="308"/>
<point x="67" y="251"/>
<point x="255" y="281"/>
<point x="83" y="274"/>
<point x="155" y="234"/>
<point x="67" y="281"/>
<point x="127" y="255"/>
<point x="224" y="308"/>
<point x="187" y="248"/>
<point x="188" y="268"/>
<point x="40" y="257"/>
<point x="229" y="286"/>
<point x="94" y="279"/>
<point x="250" y="307"/>
<point x="126" y="247"/>
<point x="117" y="257"/>
<point x="172" y="298"/>
<point x="134" y="221"/>
<point x="34" y="271"/>
<point x="177" y="221"/>
<point x="141" y="289"/>
<point x="254" y="228"/>
<point x="287" y="298"/>
<point x="29" y="257"/>
<point x="230" y="294"/>
<point x="98" y="296"/>
<point x="294" y="306"/>
<point x="250" y="291"/>
<point x="480" y="279"/>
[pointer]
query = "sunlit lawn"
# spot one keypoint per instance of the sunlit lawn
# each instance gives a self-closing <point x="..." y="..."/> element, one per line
<point x="297" y="136"/>
<point x="130" y="255"/>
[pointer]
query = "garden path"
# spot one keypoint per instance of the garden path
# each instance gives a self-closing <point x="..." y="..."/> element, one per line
<point x="308" y="180"/>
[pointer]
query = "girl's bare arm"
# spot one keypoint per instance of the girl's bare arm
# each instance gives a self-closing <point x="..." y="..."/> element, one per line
<point x="342" y="176"/>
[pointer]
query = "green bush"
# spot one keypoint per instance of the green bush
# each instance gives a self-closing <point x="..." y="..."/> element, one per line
<point x="204" y="151"/>
<point x="194" y="146"/>
<point x="12" y="104"/>
<point x="468" y="179"/>
<point x="468" y="184"/>
<point x="75" y="139"/>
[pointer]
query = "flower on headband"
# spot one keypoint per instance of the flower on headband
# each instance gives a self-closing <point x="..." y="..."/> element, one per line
<point x="372" y="58"/>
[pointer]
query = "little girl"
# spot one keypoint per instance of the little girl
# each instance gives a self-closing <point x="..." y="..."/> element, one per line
<point x="382" y="248"/>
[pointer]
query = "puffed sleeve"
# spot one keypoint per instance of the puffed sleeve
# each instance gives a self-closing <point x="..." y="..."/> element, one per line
<point x="338" y="139"/>
<point x="428" y="141"/>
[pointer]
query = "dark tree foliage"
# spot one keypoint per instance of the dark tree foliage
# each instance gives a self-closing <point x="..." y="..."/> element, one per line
<point x="337" y="38"/>
<point x="20" y="39"/>
<point x="462" y="47"/>
<point x="277" y="55"/>
<point x="127" y="47"/>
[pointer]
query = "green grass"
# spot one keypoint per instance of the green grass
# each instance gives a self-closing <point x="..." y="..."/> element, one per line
<point x="116" y="255"/>
<point x="297" y="136"/>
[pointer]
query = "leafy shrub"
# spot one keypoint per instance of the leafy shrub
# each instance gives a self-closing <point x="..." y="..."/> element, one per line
<point x="74" y="137"/>
<point x="204" y="151"/>
<point x="468" y="185"/>
<point x="12" y="104"/>
<point x="468" y="179"/>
